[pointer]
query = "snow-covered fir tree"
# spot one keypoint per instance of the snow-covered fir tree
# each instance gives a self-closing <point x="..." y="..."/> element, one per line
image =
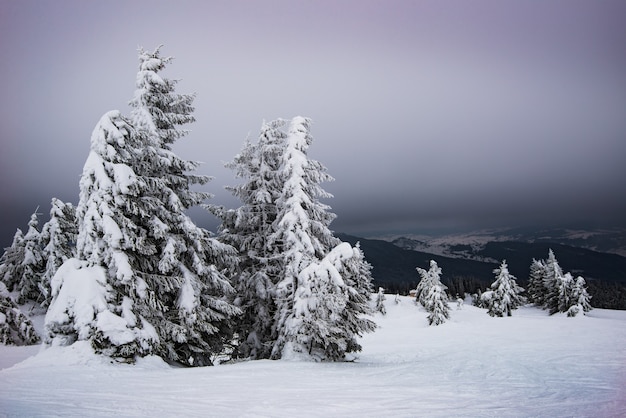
<point x="380" y="301"/>
<point x="552" y="283"/>
<point x="186" y="254"/>
<point x="22" y="264"/>
<point x="158" y="277"/>
<point x="564" y="295"/>
<point x="107" y="242"/>
<point x="248" y="229"/>
<point x="505" y="294"/>
<point x="58" y="238"/>
<point x="579" y="298"/>
<point x="301" y="229"/>
<point x="436" y="303"/>
<point x="33" y="265"/>
<point x="303" y="240"/>
<point x="15" y="327"/>
<point x="431" y="294"/>
<point x="573" y="296"/>
<point x="428" y="278"/>
<point x="536" y="291"/>
<point x="11" y="263"/>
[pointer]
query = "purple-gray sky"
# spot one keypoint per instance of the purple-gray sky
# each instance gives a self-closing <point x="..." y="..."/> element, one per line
<point x="428" y="113"/>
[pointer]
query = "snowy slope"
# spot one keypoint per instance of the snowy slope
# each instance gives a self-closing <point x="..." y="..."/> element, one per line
<point x="474" y="365"/>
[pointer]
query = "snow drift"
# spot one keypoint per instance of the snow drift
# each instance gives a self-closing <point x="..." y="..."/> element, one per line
<point x="474" y="365"/>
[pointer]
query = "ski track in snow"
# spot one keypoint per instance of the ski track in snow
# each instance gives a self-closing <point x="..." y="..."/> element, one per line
<point x="528" y="365"/>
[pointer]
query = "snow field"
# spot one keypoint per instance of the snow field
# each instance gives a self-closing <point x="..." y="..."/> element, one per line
<point x="474" y="365"/>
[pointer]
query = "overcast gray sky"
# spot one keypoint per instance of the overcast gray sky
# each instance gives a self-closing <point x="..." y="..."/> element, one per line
<point x="428" y="114"/>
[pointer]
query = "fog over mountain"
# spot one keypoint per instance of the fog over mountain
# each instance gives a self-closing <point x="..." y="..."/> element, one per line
<point x="430" y="115"/>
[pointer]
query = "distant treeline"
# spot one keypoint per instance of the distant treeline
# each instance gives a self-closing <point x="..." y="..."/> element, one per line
<point x="394" y="268"/>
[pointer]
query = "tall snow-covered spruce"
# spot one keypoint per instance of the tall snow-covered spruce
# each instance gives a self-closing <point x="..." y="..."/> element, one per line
<point x="309" y="290"/>
<point x="248" y="229"/>
<point x="197" y="321"/>
<point x="536" y="291"/>
<point x="147" y="279"/>
<point x="552" y="280"/>
<point x="106" y="253"/>
<point x="302" y="290"/>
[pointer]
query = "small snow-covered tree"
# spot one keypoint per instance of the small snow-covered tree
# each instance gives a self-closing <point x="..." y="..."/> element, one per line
<point x="565" y="285"/>
<point x="573" y="296"/>
<point x="505" y="294"/>
<point x="579" y="298"/>
<point x="536" y="287"/>
<point x="34" y="263"/>
<point x="428" y="278"/>
<point x="478" y="300"/>
<point x="431" y="294"/>
<point x="11" y="263"/>
<point x="58" y="238"/>
<point x="22" y="264"/>
<point x="436" y="303"/>
<point x="552" y="282"/>
<point x="15" y="327"/>
<point x="380" y="301"/>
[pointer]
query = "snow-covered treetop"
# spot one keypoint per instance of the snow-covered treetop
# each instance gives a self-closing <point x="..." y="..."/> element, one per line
<point x="32" y="232"/>
<point x="151" y="61"/>
<point x="157" y="108"/>
<point x="431" y="275"/>
<point x="553" y="270"/>
<point x="502" y="270"/>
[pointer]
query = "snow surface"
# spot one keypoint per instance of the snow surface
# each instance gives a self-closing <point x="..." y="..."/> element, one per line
<point x="474" y="365"/>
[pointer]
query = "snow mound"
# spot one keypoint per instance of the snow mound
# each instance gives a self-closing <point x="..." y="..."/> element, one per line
<point x="81" y="354"/>
<point x="79" y="293"/>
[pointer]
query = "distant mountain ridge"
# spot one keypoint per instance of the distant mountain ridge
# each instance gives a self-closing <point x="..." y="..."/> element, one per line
<point x="467" y="245"/>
